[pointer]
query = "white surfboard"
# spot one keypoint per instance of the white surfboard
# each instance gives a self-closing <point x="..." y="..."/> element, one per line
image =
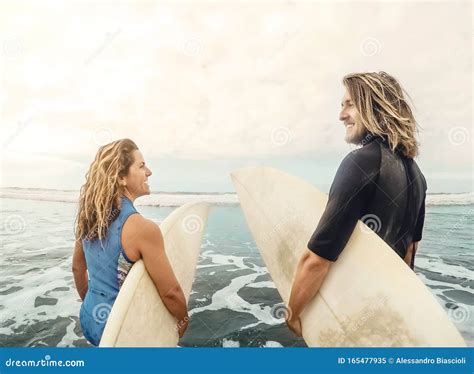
<point x="138" y="317"/>
<point x="370" y="297"/>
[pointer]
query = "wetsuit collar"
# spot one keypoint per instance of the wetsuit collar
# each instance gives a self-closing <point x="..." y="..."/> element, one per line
<point x="369" y="138"/>
<point x="127" y="199"/>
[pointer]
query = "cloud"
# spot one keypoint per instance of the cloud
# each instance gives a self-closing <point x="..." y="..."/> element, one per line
<point x="221" y="80"/>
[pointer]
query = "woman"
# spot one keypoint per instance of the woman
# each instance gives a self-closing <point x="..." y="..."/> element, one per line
<point x="111" y="235"/>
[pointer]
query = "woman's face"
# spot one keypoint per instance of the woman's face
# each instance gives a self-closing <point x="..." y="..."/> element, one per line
<point x="136" y="181"/>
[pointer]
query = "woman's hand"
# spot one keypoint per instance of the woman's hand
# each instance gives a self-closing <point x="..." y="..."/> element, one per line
<point x="182" y="326"/>
<point x="294" y="325"/>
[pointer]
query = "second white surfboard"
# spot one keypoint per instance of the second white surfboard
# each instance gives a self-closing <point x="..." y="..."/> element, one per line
<point x="370" y="296"/>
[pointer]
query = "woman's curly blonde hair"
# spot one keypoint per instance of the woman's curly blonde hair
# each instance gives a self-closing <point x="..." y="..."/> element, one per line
<point x="384" y="109"/>
<point x="100" y="196"/>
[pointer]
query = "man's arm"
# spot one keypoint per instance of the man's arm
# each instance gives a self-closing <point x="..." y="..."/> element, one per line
<point x="349" y="193"/>
<point x="310" y="274"/>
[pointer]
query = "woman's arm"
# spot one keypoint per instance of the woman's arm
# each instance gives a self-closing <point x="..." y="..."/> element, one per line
<point x="144" y="236"/>
<point x="79" y="269"/>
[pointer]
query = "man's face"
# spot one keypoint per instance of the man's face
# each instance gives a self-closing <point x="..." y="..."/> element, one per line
<point x="355" y="130"/>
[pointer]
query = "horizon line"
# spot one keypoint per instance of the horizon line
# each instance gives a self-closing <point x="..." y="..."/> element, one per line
<point x="198" y="193"/>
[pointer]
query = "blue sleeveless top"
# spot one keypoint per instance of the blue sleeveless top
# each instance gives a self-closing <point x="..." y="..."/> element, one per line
<point x="107" y="265"/>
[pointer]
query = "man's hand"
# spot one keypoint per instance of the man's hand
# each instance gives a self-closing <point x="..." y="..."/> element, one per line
<point x="294" y="324"/>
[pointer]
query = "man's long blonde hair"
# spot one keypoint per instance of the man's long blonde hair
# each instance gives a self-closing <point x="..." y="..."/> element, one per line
<point x="384" y="109"/>
<point x="100" y="196"/>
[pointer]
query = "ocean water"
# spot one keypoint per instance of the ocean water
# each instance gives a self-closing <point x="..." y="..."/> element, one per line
<point x="232" y="295"/>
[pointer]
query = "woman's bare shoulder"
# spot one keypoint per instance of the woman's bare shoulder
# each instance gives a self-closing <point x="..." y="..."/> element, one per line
<point x="141" y="227"/>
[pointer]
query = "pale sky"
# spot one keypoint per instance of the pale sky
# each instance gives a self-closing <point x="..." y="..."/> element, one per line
<point x="207" y="87"/>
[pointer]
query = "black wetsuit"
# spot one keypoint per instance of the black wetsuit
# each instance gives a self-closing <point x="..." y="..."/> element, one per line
<point x="384" y="189"/>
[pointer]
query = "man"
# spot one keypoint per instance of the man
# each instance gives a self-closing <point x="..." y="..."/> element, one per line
<point x="379" y="181"/>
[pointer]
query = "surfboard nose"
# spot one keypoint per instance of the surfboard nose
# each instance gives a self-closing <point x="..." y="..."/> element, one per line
<point x="244" y="174"/>
<point x="241" y="173"/>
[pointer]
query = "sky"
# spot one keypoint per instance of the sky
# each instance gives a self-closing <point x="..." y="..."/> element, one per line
<point x="206" y="87"/>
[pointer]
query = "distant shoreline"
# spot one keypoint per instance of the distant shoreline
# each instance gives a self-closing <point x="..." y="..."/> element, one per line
<point x="155" y="192"/>
<point x="192" y="192"/>
<point x="173" y="199"/>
